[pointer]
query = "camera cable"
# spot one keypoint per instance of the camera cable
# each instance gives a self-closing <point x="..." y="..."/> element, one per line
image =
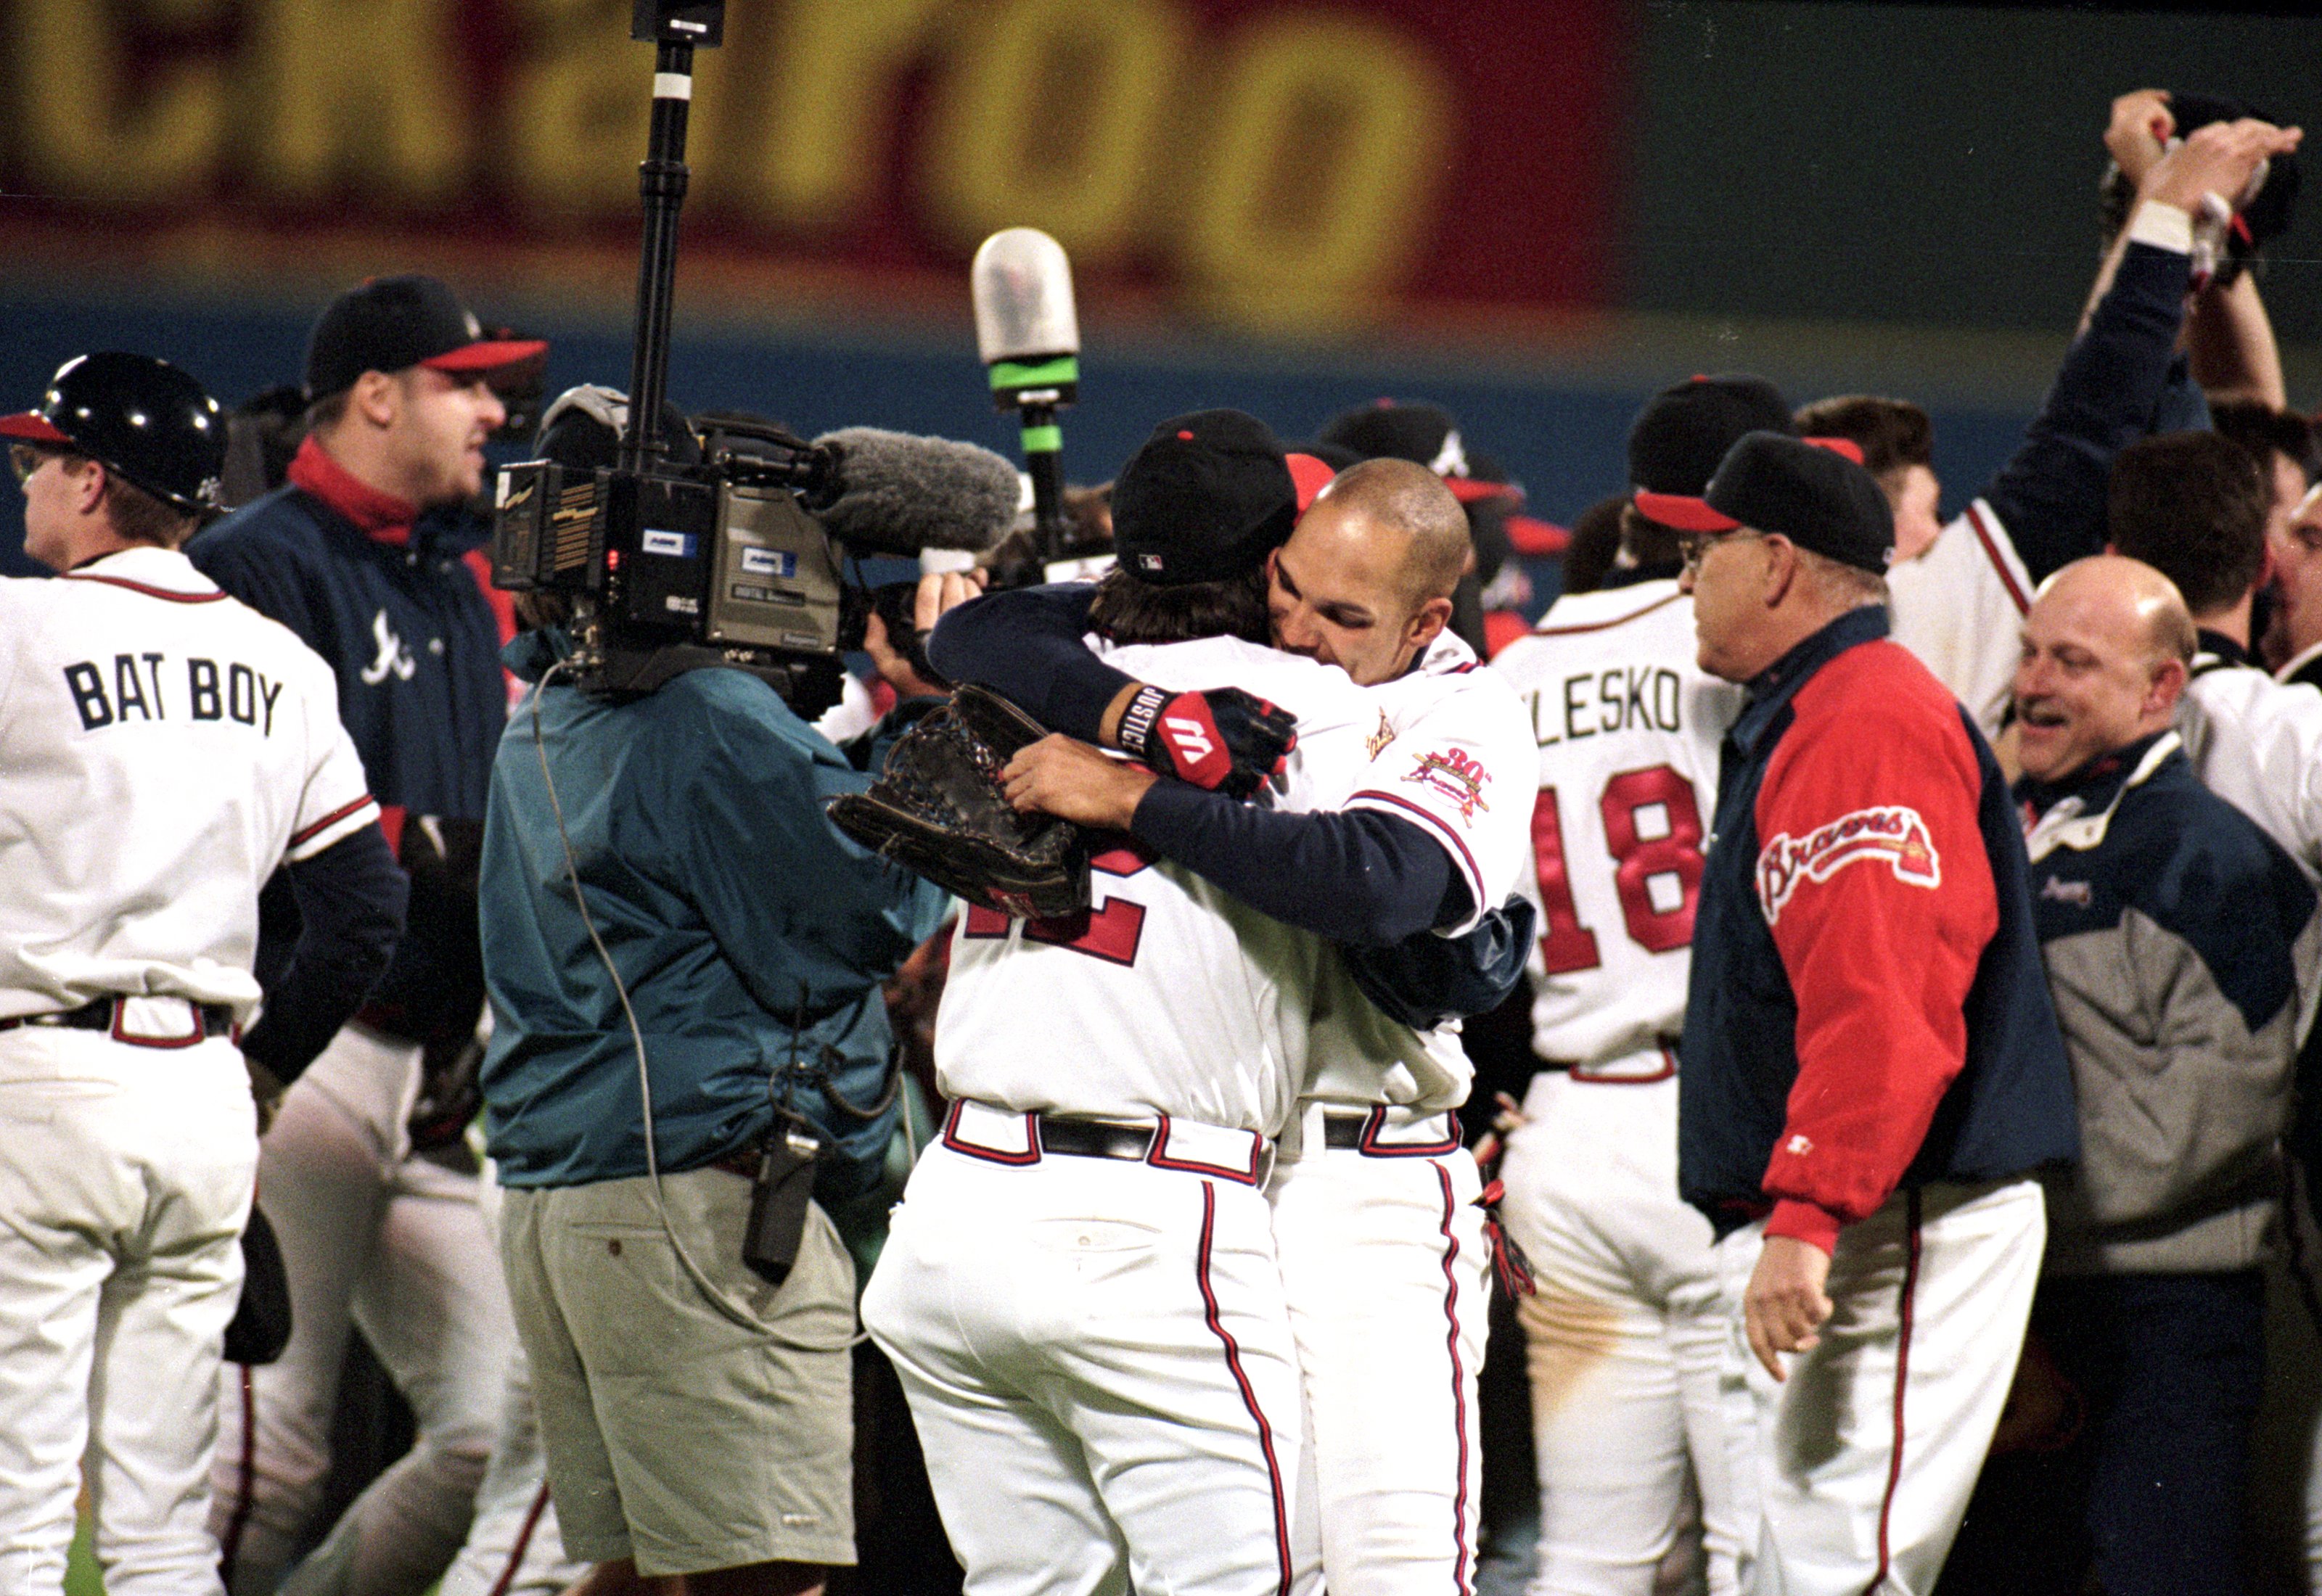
<point x="736" y="1313"/>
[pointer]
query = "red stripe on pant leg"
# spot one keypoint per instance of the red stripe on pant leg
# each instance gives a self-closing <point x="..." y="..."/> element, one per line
<point x="1902" y="1377"/>
<point x="523" y="1542"/>
<point x="1460" y="1581"/>
<point x="245" y="1480"/>
<point x="1249" y="1395"/>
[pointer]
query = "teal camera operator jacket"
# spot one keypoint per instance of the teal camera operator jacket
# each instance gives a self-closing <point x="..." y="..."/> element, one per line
<point x="752" y="936"/>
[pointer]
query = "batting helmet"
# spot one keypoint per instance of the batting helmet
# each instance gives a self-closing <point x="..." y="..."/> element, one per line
<point x="141" y="418"/>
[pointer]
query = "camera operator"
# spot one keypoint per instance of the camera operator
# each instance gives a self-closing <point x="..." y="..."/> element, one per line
<point x="697" y="1415"/>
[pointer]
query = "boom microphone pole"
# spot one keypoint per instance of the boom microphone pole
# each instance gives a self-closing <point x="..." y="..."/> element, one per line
<point x="676" y="28"/>
<point x="1028" y="334"/>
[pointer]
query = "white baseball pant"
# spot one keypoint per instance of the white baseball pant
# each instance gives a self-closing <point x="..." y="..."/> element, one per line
<point x="1386" y="1271"/>
<point x="1626" y="1335"/>
<point x="515" y="1546"/>
<point x="1098" y="1361"/>
<point x="372" y="1237"/>
<point x="125" y="1182"/>
<point x="1862" y="1461"/>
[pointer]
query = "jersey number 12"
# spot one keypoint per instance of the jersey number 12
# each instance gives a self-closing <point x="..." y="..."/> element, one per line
<point x="1676" y="850"/>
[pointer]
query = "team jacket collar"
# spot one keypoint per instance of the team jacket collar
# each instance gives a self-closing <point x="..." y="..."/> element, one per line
<point x="148" y="567"/>
<point x="1449" y="653"/>
<point x="2214" y="651"/>
<point x="2074" y="813"/>
<point x="529" y="654"/>
<point x="381" y="516"/>
<point x="2301" y="667"/>
<point x="1772" y="688"/>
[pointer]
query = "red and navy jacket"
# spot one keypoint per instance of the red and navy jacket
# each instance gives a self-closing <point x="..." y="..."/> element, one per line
<point x="1866" y="1008"/>
<point x="394" y="605"/>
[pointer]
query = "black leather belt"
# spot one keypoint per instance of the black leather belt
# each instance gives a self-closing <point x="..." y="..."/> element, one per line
<point x="1358" y="1130"/>
<point x="1094" y="1138"/>
<point x="217" y="1020"/>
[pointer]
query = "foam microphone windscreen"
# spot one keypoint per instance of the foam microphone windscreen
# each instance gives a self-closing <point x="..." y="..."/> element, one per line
<point x="895" y="493"/>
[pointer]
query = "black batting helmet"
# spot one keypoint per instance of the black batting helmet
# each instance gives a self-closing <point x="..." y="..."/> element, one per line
<point x="139" y="417"/>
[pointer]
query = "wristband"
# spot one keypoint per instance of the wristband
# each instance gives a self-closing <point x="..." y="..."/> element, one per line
<point x="1136" y="730"/>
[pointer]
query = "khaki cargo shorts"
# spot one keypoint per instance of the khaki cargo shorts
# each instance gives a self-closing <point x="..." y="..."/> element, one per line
<point x="675" y="1435"/>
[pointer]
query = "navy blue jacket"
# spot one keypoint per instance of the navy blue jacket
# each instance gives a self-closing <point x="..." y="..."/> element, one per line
<point x="405" y="629"/>
<point x="398" y="613"/>
<point x="1866" y="1008"/>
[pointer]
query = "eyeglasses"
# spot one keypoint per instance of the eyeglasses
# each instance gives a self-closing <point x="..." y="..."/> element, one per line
<point x="24" y="458"/>
<point x="1692" y="545"/>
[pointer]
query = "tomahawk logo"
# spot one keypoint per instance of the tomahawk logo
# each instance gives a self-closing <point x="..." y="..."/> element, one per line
<point x="392" y="655"/>
<point x="1190" y="735"/>
<point x="1889" y="832"/>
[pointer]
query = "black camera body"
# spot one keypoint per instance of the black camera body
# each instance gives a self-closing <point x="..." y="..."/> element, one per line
<point x="672" y="568"/>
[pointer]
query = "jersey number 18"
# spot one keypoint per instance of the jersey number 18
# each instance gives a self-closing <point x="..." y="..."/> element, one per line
<point x="1674" y="849"/>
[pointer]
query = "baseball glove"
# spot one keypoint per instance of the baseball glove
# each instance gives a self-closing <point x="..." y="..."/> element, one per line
<point x="939" y="810"/>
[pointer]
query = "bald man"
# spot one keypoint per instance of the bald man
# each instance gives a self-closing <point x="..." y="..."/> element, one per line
<point x="1375" y="1222"/>
<point x="2179" y="941"/>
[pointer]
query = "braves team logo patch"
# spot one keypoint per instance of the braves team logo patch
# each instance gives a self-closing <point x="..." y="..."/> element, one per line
<point x="1375" y="744"/>
<point x="1457" y="777"/>
<point x="1889" y="832"/>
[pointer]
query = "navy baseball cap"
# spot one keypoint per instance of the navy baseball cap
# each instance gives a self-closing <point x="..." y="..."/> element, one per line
<point x="1814" y="491"/>
<point x="1422" y="434"/>
<point x="1207" y="496"/>
<point x="1681" y="435"/>
<point x="388" y="323"/>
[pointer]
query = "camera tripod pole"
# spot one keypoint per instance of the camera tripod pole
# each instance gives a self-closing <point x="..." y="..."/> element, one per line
<point x="674" y="30"/>
<point x="662" y="182"/>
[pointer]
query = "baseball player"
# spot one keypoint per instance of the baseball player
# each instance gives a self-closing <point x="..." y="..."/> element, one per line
<point x="166" y="750"/>
<point x="1959" y="598"/>
<point x="1079" y="1290"/>
<point x="1374" y="1218"/>
<point x="1627" y="1330"/>
<point x="354" y="554"/>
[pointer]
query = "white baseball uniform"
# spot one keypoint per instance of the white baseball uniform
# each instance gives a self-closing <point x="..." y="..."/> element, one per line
<point x="1095" y="1348"/>
<point x="1381" y="1239"/>
<point x="166" y="749"/>
<point x="1627" y="1329"/>
<point x="1958" y="605"/>
<point x="2257" y="744"/>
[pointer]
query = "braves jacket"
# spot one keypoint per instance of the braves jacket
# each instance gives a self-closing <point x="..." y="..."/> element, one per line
<point x="389" y="602"/>
<point x="1866" y="1008"/>
<point x="2180" y="941"/>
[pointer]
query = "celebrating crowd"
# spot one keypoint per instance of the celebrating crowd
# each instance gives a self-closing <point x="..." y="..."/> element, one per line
<point x="1851" y="970"/>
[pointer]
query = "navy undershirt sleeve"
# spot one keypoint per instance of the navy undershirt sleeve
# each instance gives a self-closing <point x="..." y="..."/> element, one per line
<point x="351" y="901"/>
<point x="1358" y="877"/>
<point x="2049" y="496"/>
<point x="1025" y="644"/>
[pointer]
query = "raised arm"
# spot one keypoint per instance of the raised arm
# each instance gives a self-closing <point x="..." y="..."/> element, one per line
<point x="2049" y="496"/>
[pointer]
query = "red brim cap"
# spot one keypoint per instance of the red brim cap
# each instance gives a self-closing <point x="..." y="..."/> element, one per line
<point x="488" y="355"/>
<point x="1683" y="511"/>
<point x="32" y="425"/>
<point x="1529" y="534"/>
<point x="1468" y="489"/>
<point x="1312" y="473"/>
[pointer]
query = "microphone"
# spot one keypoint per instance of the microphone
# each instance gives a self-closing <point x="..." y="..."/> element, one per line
<point x="895" y="493"/>
<point x="1028" y="332"/>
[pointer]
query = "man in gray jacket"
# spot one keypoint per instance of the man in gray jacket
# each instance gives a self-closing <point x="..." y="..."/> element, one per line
<point x="2180" y="943"/>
